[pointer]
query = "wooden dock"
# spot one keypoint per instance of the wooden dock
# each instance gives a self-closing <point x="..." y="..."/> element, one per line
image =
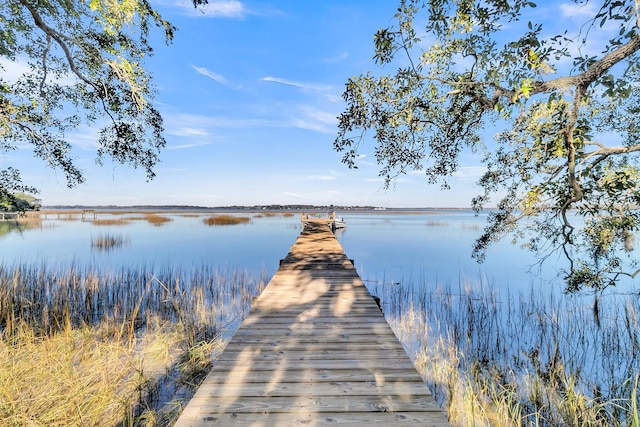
<point x="315" y="349"/>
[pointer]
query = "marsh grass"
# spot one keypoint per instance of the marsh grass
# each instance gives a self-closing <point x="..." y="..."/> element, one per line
<point x="538" y="359"/>
<point x="107" y="241"/>
<point x="226" y="220"/>
<point x="90" y="375"/>
<point x="157" y="220"/>
<point x="111" y="221"/>
<point x="82" y="347"/>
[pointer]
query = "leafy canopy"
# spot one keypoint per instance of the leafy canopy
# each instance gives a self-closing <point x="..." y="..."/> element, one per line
<point x="562" y="172"/>
<point x="85" y="65"/>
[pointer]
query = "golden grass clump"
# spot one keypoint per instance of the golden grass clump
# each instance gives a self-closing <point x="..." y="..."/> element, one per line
<point x="108" y="241"/>
<point x="226" y="220"/>
<point x="82" y="376"/>
<point x="80" y="347"/>
<point x="157" y="220"/>
<point x="111" y="221"/>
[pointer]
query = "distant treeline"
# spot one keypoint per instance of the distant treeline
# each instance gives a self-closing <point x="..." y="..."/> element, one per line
<point x="234" y="207"/>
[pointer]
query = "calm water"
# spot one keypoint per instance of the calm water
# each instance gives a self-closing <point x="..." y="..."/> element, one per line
<point x="386" y="247"/>
<point x="425" y="253"/>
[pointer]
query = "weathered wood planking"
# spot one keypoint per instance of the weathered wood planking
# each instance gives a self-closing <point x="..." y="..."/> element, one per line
<point x="315" y="349"/>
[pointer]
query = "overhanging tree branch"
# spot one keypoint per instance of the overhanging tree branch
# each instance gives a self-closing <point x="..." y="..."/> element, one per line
<point x="545" y="162"/>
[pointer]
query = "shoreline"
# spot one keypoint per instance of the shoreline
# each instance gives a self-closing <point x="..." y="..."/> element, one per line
<point x="235" y="209"/>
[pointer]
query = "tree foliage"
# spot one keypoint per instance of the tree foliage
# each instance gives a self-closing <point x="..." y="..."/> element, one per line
<point x="562" y="173"/>
<point x="12" y="192"/>
<point x="85" y="66"/>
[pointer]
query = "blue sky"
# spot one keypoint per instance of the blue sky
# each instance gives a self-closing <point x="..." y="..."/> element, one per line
<point x="250" y="92"/>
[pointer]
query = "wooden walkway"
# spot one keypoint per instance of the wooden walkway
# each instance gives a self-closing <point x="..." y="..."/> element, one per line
<point x="315" y="349"/>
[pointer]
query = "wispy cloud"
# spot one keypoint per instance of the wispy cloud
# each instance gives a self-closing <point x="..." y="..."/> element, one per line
<point x="213" y="76"/>
<point x="13" y="70"/>
<point x="188" y="131"/>
<point x="86" y="138"/>
<point x="301" y="85"/>
<point x="187" y="145"/>
<point x="328" y="92"/>
<point x="338" y="57"/>
<point x="331" y="176"/>
<point x="282" y="81"/>
<point x="572" y="10"/>
<point x="312" y="118"/>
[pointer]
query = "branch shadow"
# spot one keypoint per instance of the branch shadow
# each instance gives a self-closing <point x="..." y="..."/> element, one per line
<point x="315" y="349"/>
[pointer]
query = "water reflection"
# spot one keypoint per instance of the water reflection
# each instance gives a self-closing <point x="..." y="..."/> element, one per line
<point x="436" y="246"/>
<point x="167" y="239"/>
<point x="20" y="225"/>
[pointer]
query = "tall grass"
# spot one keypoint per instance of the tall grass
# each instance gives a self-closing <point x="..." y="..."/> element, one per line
<point x="226" y="220"/>
<point x="84" y="347"/>
<point x="538" y="358"/>
<point x="157" y="220"/>
<point x="80" y="376"/>
<point x="111" y="221"/>
<point x="107" y="241"/>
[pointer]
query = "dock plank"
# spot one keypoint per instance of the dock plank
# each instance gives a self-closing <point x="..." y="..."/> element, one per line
<point x="315" y="349"/>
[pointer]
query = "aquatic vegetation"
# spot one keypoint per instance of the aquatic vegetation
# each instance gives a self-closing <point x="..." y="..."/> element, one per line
<point x="122" y="343"/>
<point x="111" y="221"/>
<point x="89" y="375"/>
<point x="108" y="241"/>
<point x="226" y="220"/>
<point x="156" y="220"/>
<point x="539" y="359"/>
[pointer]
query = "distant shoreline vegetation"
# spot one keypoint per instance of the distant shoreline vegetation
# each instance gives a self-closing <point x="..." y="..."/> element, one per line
<point x="242" y="208"/>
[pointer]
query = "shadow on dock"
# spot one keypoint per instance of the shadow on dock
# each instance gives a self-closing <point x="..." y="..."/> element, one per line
<point x="315" y="349"/>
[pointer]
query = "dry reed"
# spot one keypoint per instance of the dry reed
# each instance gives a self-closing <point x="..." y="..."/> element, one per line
<point x="111" y="221"/>
<point x="105" y="242"/>
<point x="226" y="220"/>
<point x="530" y="359"/>
<point x="83" y="347"/>
<point x="157" y="220"/>
<point x="81" y="376"/>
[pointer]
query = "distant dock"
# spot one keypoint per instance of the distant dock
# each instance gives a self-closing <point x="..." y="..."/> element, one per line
<point x="332" y="220"/>
<point x="315" y="349"/>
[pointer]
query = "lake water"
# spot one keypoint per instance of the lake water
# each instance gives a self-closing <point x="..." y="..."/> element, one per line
<point x="385" y="246"/>
<point x="433" y="247"/>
